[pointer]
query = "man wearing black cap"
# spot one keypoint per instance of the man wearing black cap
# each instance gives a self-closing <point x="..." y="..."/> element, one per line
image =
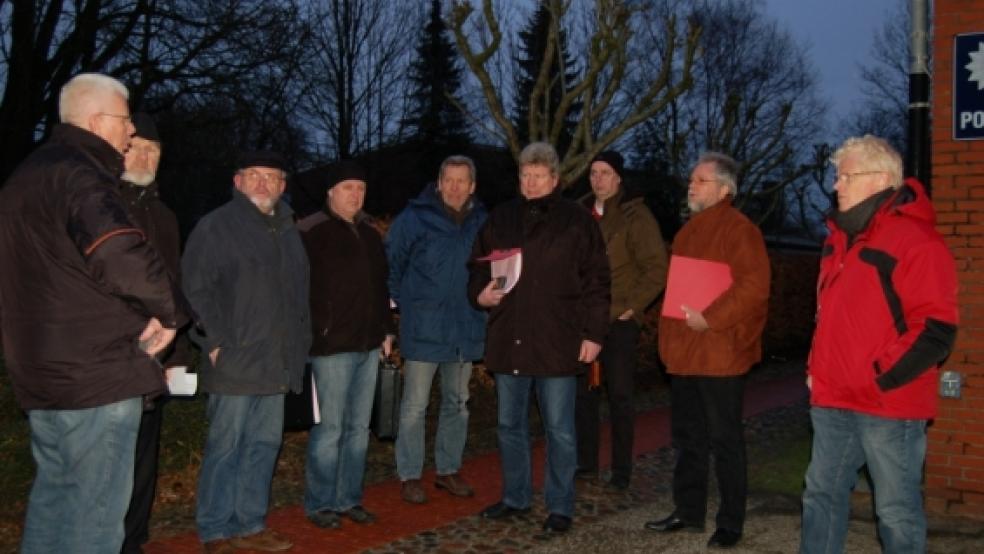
<point x="246" y="275"/>
<point x="637" y="258"/>
<point x="352" y="328"/>
<point x="139" y="191"/>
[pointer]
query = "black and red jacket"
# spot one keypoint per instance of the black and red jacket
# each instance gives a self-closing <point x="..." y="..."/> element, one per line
<point x="886" y="312"/>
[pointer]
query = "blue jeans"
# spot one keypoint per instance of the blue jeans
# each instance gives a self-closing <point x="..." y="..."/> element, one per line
<point x="336" y="456"/>
<point x="244" y="436"/>
<point x="452" y="424"/>
<point x="555" y="396"/>
<point x="894" y="450"/>
<point x="84" y="478"/>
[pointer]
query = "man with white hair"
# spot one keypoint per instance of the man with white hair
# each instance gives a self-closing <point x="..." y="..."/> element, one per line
<point x="87" y="304"/>
<point x="707" y="353"/>
<point x="886" y="320"/>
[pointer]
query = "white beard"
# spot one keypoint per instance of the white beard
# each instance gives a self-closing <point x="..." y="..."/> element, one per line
<point x="141" y="179"/>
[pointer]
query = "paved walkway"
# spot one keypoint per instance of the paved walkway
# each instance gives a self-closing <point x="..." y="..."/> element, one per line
<point x="398" y="520"/>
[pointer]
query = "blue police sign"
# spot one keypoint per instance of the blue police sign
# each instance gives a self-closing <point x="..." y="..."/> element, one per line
<point x="968" y="86"/>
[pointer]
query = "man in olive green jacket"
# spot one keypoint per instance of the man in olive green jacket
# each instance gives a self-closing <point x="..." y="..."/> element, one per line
<point x="637" y="257"/>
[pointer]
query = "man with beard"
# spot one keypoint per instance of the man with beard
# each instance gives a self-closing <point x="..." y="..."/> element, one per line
<point x="246" y="275"/>
<point x="707" y="353"/>
<point x="139" y="191"/>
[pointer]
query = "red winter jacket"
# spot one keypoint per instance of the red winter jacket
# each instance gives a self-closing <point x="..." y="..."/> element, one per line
<point x="886" y="312"/>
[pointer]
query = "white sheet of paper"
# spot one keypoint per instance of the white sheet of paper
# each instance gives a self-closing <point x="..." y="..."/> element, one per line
<point x="315" y="407"/>
<point x="180" y="382"/>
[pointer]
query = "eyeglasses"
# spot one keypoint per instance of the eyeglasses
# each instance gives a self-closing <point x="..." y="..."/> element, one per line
<point x="846" y="177"/>
<point x="117" y="116"/>
<point x="253" y="176"/>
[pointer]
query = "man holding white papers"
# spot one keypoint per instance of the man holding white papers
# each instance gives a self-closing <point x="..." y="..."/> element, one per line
<point x="544" y="331"/>
<point x="140" y="194"/>
<point x="637" y="257"/>
<point x="708" y="353"/>
<point x="353" y="329"/>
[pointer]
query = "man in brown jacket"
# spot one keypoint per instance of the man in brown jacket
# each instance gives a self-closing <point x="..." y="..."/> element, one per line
<point x="708" y="353"/>
<point x="637" y="258"/>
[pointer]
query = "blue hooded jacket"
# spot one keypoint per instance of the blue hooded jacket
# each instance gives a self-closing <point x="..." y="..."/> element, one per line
<point x="428" y="254"/>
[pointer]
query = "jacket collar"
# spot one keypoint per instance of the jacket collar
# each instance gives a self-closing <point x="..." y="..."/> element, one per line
<point x="91" y="144"/>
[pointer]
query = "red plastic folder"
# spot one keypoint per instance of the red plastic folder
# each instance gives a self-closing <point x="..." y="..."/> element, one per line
<point x="694" y="282"/>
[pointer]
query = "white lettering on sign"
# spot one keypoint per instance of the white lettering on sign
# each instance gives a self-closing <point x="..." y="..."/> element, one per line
<point x="974" y="119"/>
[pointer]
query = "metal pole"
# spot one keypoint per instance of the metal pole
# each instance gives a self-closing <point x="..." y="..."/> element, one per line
<point x="917" y="159"/>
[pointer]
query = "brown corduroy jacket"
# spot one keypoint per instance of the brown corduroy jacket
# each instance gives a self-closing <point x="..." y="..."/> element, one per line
<point x="733" y="343"/>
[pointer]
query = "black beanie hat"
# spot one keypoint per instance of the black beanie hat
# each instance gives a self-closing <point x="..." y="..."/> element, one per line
<point x="345" y="170"/>
<point x="145" y="128"/>
<point x="261" y="158"/>
<point x="611" y="158"/>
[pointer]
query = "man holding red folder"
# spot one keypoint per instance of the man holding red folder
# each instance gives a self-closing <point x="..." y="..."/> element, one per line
<point x="708" y="352"/>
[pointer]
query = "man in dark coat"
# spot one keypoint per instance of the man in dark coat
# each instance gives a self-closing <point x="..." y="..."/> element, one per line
<point x="87" y="304"/>
<point x="428" y="247"/>
<point x="543" y="329"/>
<point x="352" y="328"/>
<point x="139" y="191"/>
<point x="245" y="273"/>
<point x="637" y="257"/>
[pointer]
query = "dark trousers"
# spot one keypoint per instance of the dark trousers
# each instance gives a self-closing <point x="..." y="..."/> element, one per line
<point x="706" y="419"/>
<point x="144" y="478"/>
<point x="618" y="365"/>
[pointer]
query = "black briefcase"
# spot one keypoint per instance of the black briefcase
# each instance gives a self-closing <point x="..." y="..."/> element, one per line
<point x="299" y="407"/>
<point x="385" y="418"/>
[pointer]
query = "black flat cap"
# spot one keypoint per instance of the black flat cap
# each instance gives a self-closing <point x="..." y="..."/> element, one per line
<point x="345" y="170"/>
<point x="261" y="158"/>
<point x="145" y="127"/>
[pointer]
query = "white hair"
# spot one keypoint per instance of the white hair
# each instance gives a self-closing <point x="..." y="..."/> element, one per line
<point x="83" y="94"/>
<point x="875" y="154"/>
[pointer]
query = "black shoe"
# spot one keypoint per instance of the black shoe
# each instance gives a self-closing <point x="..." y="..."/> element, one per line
<point x="584" y="474"/>
<point x="724" y="538"/>
<point x="672" y="524"/>
<point x="619" y="482"/>
<point x="326" y="519"/>
<point x="359" y="514"/>
<point x="499" y="511"/>
<point x="557" y="523"/>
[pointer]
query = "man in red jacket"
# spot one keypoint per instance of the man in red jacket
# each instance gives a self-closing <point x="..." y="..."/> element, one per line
<point x="886" y="319"/>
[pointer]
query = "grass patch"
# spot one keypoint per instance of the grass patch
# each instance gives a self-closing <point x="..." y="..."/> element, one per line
<point x="781" y="471"/>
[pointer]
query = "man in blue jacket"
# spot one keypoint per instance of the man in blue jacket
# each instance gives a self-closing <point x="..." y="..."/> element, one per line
<point x="428" y="247"/>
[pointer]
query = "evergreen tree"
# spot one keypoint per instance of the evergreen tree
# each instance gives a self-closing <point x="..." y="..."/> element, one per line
<point x="435" y="75"/>
<point x="534" y="44"/>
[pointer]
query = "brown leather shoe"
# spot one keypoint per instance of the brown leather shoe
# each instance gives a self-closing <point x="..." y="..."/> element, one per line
<point x="412" y="491"/>
<point x="266" y="540"/>
<point x="454" y="484"/>
<point x="220" y="546"/>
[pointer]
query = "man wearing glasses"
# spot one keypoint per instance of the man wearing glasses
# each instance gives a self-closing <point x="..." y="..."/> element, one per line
<point x="86" y="303"/>
<point x="886" y="320"/>
<point x="245" y="273"/>
<point x="708" y="353"/>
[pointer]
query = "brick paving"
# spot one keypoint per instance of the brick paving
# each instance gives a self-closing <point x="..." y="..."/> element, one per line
<point x="449" y="524"/>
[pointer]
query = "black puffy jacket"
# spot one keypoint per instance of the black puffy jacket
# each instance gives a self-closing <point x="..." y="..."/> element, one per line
<point x="78" y="282"/>
<point x="563" y="294"/>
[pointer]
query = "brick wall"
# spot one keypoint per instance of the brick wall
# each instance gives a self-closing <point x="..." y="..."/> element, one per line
<point x="955" y="458"/>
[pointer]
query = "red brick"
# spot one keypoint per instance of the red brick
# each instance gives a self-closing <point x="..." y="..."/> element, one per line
<point x="950" y="471"/>
<point x="972" y="463"/>
<point x="971" y="157"/>
<point x="936" y="505"/>
<point x="965" y="510"/>
<point x="973" y="498"/>
<point x="968" y="485"/>
<point x="937" y="482"/>
<point x="943" y="216"/>
<point x="945" y="493"/>
<point x="934" y="459"/>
